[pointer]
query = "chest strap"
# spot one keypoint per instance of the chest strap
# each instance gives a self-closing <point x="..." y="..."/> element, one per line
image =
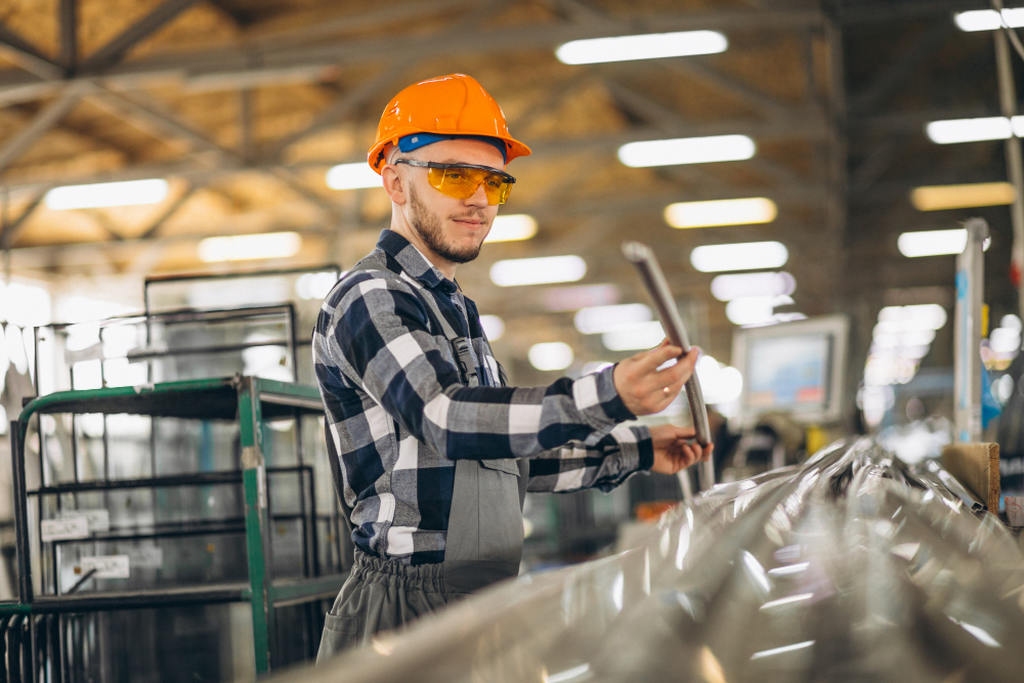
<point x="461" y="349"/>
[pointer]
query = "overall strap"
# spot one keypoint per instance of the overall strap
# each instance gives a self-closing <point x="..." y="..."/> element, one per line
<point x="461" y="349"/>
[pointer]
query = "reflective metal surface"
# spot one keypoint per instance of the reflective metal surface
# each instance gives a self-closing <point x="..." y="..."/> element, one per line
<point x="849" y="567"/>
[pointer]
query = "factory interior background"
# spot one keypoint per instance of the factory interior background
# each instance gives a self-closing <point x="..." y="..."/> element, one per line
<point x="182" y="182"/>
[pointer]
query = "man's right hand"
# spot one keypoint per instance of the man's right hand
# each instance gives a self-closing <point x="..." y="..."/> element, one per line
<point x="645" y="389"/>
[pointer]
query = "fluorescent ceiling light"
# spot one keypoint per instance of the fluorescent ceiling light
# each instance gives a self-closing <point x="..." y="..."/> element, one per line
<point x="713" y="258"/>
<point x="512" y="228"/>
<point x="353" y="176"/>
<point x="988" y="19"/>
<point x="550" y="356"/>
<point x="639" y="336"/>
<point x="734" y="286"/>
<point x="750" y="310"/>
<point x="245" y="247"/>
<point x="708" y="214"/>
<point x="645" y="46"/>
<point x="781" y="650"/>
<point x="597" y="319"/>
<point x="96" y="195"/>
<point x="941" y="197"/>
<point x="699" y="150"/>
<point x="537" y="271"/>
<point x="951" y="131"/>
<point x="911" y="317"/>
<point x="493" y="326"/>
<point x="934" y="242"/>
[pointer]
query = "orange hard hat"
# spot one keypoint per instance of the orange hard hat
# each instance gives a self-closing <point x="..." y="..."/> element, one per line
<point x="452" y="105"/>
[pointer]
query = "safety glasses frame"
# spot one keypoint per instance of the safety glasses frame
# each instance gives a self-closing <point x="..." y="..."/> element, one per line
<point x="506" y="179"/>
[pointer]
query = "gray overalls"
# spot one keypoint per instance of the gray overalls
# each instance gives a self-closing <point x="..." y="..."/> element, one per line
<point x="484" y="541"/>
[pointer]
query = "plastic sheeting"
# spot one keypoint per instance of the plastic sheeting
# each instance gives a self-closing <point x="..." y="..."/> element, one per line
<point x="848" y="567"/>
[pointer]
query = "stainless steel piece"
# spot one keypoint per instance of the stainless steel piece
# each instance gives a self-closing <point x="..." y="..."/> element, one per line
<point x="643" y="258"/>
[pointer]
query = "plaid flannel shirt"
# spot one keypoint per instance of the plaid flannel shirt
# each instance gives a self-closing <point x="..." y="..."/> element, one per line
<point x="400" y="415"/>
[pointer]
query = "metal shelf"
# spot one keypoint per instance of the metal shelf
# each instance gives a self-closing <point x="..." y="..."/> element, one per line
<point x="249" y="401"/>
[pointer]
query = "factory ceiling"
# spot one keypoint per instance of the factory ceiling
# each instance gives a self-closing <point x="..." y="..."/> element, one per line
<point x="243" y="105"/>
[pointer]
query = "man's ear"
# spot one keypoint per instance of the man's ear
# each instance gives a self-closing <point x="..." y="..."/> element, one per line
<point x="394" y="184"/>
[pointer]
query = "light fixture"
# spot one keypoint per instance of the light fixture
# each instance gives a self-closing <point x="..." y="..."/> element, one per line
<point x="747" y="211"/>
<point x="244" y="247"/>
<point x="988" y="19"/>
<point x="537" y="271"/>
<point x="734" y="286"/>
<point x="97" y="195"/>
<point x="698" y="150"/>
<point x="493" y="326"/>
<point x="750" y="310"/>
<point x="941" y="197"/>
<point x="633" y="337"/>
<point x="951" y="131"/>
<point x="911" y="317"/>
<point x="714" y="258"/>
<point x="920" y="243"/>
<point x="511" y="228"/>
<point x="550" y="356"/>
<point x="644" y="46"/>
<point x="354" y="176"/>
<point x="597" y="319"/>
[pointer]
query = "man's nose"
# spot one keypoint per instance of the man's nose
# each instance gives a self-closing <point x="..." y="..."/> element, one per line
<point x="479" y="197"/>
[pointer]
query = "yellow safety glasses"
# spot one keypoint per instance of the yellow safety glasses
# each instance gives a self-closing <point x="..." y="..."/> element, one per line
<point x="461" y="180"/>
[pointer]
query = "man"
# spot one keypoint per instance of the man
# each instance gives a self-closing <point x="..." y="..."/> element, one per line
<point x="435" y="452"/>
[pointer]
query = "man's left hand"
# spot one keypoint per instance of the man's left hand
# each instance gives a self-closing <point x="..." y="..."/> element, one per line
<point x="674" y="449"/>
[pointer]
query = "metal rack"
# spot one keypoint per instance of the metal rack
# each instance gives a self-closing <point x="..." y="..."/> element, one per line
<point x="35" y="630"/>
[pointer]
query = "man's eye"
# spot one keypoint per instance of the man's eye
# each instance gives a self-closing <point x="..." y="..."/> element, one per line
<point x="456" y="175"/>
<point x="495" y="182"/>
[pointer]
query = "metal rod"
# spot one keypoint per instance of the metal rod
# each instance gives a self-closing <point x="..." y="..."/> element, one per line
<point x="970" y="282"/>
<point x="643" y="258"/>
<point x="20" y="505"/>
<point x="197" y="479"/>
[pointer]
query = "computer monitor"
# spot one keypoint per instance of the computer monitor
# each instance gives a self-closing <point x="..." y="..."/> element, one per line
<point x="796" y="368"/>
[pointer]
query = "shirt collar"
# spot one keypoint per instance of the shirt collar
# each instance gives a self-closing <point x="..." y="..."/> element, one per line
<point x="413" y="261"/>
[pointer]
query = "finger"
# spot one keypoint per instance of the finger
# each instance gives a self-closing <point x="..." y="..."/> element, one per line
<point x="680" y="371"/>
<point x="659" y="354"/>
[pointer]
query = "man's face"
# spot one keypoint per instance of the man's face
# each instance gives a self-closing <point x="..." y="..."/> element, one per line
<point x="452" y="229"/>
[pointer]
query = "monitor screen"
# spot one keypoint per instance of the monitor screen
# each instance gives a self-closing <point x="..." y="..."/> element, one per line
<point x="794" y="368"/>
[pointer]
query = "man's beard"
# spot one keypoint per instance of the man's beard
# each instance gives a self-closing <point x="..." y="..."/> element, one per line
<point x="428" y="226"/>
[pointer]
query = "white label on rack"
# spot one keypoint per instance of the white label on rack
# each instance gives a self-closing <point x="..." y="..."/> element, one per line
<point x="106" y="566"/>
<point x="99" y="518"/>
<point x="65" y="529"/>
<point x="148" y="557"/>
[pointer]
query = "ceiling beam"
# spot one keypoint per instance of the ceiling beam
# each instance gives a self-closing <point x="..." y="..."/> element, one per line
<point x="44" y="120"/>
<point x="67" y="19"/>
<point x="112" y="52"/>
<point x="28" y="57"/>
<point x="153" y="229"/>
<point x="906" y="64"/>
<point x="229" y="68"/>
<point x="10" y="230"/>
<point x="341" y="107"/>
<point x="803" y="128"/>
